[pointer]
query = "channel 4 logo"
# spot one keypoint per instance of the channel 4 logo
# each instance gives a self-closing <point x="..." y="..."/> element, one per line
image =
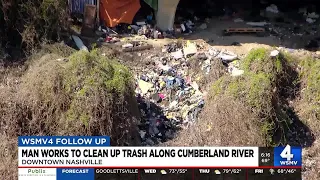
<point x="287" y="156"/>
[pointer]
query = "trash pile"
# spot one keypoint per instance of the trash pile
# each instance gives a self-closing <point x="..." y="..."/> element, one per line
<point x="148" y="30"/>
<point x="168" y="96"/>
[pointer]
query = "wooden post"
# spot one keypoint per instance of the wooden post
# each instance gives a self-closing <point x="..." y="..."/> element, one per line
<point x="68" y="10"/>
<point x="98" y="13"/>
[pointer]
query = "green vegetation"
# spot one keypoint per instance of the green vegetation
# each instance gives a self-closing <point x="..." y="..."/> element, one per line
<point x="309" y="104"/>
<point x="96" y="72"/>
<point x="311" y="71"/>
<point x="87" y="74"/>
<point x="255" y="88"/>
<point x="256" y="85"/>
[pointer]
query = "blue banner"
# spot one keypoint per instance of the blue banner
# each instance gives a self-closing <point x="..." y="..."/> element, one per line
<point x="75" y="173"/>
<point x="287" y="156"/>
<point x="70" y="141"/>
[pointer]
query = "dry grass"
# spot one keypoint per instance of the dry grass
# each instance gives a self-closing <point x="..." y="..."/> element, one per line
<point x="309" y="104"/>
<point x="8" y="144"/>
<point x="311" y="162"/>
<point x="224" y="122"/>
<point x="87" y="95"/>
<point x="8" y="158"/>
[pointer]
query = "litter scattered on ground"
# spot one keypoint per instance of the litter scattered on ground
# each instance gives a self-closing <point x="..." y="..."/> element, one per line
<point x="272" y="8"/>
<point x="136" y="46"/>
<point x="127" y="45"/>
<point x="190" y="49"/>
<point x="274" y="53"/>
<point x="235" y="71"/>
<point x="166" y="101"/>
<point x="238" y="20"/>
<point x="227" y="56"/>
<point x="313" y="15"/>
<point x="144" y="86"/>
<point x="79" y="43"/>
<point x="310" y="20"/>
<point x="169" y="96"/>
<point x="149" y="30"/>
<point x="233" y="68"/>
<point x="260" y="24"/>
<point x="177" y="54"/>
<point x="62" y="59"/>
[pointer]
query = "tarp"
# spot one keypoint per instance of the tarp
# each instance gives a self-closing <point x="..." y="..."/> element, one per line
<point x="152" y="3"/>
<point x="114" y="12"/>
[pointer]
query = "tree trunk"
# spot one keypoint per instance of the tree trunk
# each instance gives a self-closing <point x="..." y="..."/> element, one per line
<point x="166" y="14"/>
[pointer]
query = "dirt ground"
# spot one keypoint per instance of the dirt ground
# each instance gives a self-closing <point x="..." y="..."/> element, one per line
<point x="213" y="36"/>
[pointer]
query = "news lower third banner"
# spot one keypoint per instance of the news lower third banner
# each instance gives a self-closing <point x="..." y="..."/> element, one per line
<point x="96" y="152"/>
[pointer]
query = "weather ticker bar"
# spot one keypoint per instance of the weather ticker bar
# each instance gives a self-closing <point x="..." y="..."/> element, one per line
<point x="199" y="174"/>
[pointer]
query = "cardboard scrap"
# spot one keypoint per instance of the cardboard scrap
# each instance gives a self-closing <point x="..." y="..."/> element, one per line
<point x="144" y="86"/>
<point x="190" y="49"/>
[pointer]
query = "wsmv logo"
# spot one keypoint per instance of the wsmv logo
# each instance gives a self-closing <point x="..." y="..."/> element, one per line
<point x="287" y="156"/>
